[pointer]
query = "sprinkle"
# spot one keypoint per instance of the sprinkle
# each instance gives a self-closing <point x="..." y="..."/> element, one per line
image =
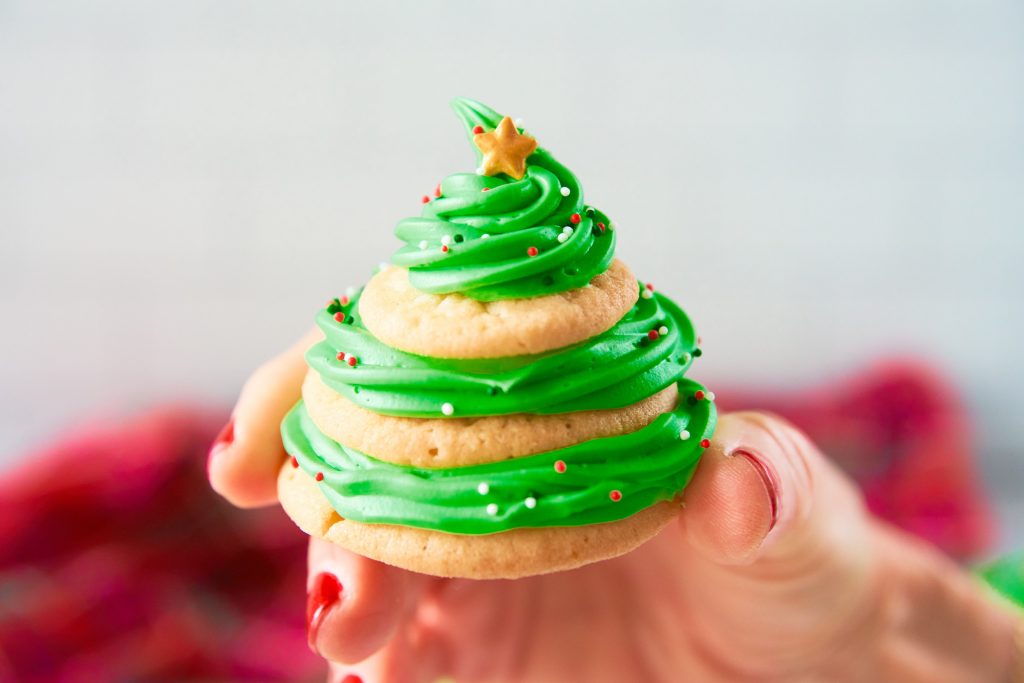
<point x="423" y="244"/>
<point x="560" y="466"/>
<point x="341" y="355"/>
<point x="615" y="495"/>
<point x="349" y="292"/>
<point x="662" y="330"/>
<point x="565" y="191"/>
<point x="646" y="294"/>
<point x="477" y="130"/>
<point x="352" y="360"/>
<point x="383" y="265"/>
<point x="685" y="358"/>
<point x="425" y="199"/>
<point x="562" y="237"/>
<point x="444" y="248"/>
<point x="567" y="229"/>
<point x="485" y="189"/>
<point x="447" y="409"/>
<point x="446" y="239"/>
<point x="532" y="251"/>
<point x="319" y="476"/>
<point x="492" y="509"/>
<point x="479" y="170"/>
<point x="530" y="502"/>
<point x="652" y="335"/>
<point x="518" y="122"/>
<point x="710" y="396"/>
<point x="684" y="435"/>
<point x="699" y="395"/>
<point x="649" y="286"/>
<point x="437" y="190"/>
<point x="704" y="443"/>
<point x="483" y="489"/>
<point x="484" y="236"/>
<point x="697" y="353"/>
<point x="295" y="462"/>
<point x="344" y="300"/>
<point x="575" y="219"/>
<point x="339" y="316"/>
<point x="601" y="226"/>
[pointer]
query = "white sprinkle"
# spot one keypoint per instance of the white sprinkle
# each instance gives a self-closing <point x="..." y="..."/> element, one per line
<point x="562" y="237"/>
<point x="480" y="170"/>
<point x="530" y="502"/>
<point x="684" y="435"/>
<point x="484" y="236"/>
<point x="710" y="396"/>
<point x="492" y="509"/>
<point x="518" y="122"/>
<point x="447" y="408"/>
<point x="446" y="240"/>
<point x="567" y="229"/>
<point x="350" y="292"/>
<point x="565" y="191"/>
<point x="423" y="244"/>
<point x="662" y="330"/>
<point x="483" y="488"/>
<point x="646" y="294"/>
<point x="685" y="358"/>
<point x="384" y="265"/>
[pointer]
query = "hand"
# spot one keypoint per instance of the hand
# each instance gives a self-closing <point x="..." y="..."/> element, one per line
<point x="773" y="572"/>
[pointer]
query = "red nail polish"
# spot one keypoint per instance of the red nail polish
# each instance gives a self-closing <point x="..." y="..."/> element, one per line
<point x="325" y="592"/>
<point x="226" y="436"/>
<point x="770" y="481"/>
<point x="352" y="678"/>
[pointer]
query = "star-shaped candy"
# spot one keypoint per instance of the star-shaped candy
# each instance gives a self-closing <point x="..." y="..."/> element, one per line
<point x="505" y="150"/>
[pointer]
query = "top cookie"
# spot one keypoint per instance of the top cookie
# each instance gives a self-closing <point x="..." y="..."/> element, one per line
<point x="457" y="326"/>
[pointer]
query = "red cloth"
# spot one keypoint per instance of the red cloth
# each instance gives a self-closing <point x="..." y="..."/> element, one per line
<point x="118" y="563"/>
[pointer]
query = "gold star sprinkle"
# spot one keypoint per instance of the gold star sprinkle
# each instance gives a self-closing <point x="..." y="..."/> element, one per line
<point x="505" y="150"/>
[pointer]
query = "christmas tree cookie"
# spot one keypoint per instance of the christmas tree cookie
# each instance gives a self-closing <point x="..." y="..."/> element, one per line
<point x="505" y="399"/>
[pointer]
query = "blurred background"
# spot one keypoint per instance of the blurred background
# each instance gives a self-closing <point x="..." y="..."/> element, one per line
<point x="821" y="185"/>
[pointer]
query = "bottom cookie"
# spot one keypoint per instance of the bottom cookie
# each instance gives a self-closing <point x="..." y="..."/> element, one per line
<point x="506" y="555"/>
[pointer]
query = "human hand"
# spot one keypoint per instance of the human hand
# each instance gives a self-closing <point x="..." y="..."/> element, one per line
<point x="773" y="572"/>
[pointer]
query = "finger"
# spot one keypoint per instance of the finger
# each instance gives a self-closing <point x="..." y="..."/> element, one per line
<point x="762" y="488"/>
<point x="355" y="604"/>
<point x="244" y="460"/>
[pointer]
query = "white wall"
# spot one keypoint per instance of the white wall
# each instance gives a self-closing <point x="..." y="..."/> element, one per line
<point x="183" y="183"/>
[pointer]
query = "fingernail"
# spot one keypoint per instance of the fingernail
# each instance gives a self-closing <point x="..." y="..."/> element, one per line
<point x="325" y="592"/>
<point x="352" y="678"/>
<point x="223" y="440"/>
<point x="769" y="479"/>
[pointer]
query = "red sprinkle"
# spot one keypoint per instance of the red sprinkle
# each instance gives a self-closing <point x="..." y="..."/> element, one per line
<point x="652" y="335"/>
<point x="575" y="219"/>
<point x="437" y="190"/>
<point x="560" y="466"/>
<point x="425" y="199"/>
<point x="649" y="286"/>
<point x="601" y="226"/>
<point x="485" y="189"/>
<point x="352" y="360"/>
<point x="477" y="130"/>
<point x="704" y="443"/>
<point x="444" y="248"/>
<point x="319" y="476"/>
<point x="699" y="395"/>
<point x="295" y="462"/>
<point x="532" y="251"/>
<point x="615" y="495"/>
<point x="344" y="301"/>
<point x="341" y="355"/>
<point x="339" y="316"/>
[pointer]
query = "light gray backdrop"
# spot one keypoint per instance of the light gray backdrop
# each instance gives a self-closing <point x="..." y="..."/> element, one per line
<point x="182" y="183"/>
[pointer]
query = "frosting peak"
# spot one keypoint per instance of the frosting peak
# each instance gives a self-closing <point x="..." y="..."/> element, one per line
<point x="494" y="237"/>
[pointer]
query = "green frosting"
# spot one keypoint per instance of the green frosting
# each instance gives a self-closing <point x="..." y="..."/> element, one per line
<point x="601" y="480"/>
<point x="614" y="369"/>
<point x="474" y="238"/>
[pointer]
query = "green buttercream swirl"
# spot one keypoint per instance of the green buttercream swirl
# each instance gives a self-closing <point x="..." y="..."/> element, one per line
<point x="488" y="224"/>
<point x="647" y="466"/>
<point x="617" y="368"/>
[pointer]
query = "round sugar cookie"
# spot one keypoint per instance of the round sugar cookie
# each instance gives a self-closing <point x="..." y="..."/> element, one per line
<point x="507" y="555"/>
<point x="456" y="326"/>
<point x="457" y="442"/>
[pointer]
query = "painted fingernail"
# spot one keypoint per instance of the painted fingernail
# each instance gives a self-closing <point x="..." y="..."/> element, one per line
<point x="326" y="591"/>
<point x="769" y="479"/>
<point x="223" y="440"/>
<point x="352" y="678"/>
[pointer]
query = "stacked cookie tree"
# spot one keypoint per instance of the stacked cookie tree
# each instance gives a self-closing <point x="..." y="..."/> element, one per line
<point x="506" y="399"/>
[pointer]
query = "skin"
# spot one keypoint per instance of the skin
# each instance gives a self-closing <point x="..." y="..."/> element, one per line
<point x="774" y="572"/>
